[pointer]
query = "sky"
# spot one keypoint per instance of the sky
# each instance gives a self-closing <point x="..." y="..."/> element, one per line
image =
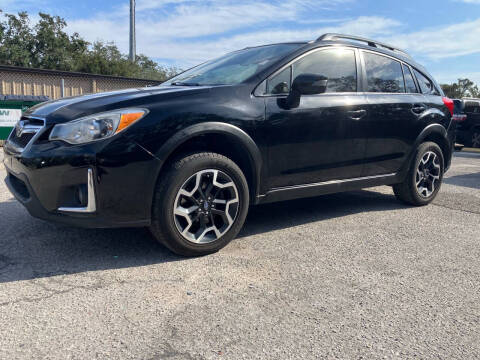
<point x="443" y="35"/>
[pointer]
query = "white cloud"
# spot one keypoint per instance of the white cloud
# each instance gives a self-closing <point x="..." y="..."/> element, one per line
<point x="469" y="1"/>
<point x="195" y="32"/>
<point x="202" y="18"/>
<point x="192" y="52"/>
<point x="101" y="29"/>
<point x="185" y="32"/>
<point x="442" y="42"/>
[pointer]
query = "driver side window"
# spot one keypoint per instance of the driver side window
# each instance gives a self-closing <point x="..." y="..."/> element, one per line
<point x="338" y="65"/>
<point x="280" y="83"/>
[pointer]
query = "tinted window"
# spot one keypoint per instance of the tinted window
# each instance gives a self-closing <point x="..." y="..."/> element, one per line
<point x="425" y="84"/>
<point x="338" y="65"/>
<point x="279" y="83"/>
<point x="383" y="74"/>
<point x="409" y="82"/>
<point x="472" y="107"/>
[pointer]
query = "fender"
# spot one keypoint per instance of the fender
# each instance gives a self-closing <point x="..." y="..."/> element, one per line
<point x="436" y="129"/>
<point x="215" y="128"/>
<point x="431" y="129"/>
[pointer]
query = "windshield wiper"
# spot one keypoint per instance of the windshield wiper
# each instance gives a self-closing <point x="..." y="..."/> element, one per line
<point x="180" y="83"/>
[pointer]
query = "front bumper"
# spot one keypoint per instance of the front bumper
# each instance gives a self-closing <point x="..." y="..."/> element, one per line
<point x="122" y="178"/>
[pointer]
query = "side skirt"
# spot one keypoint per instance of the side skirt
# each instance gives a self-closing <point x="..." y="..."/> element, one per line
<point x="327" y="187"/>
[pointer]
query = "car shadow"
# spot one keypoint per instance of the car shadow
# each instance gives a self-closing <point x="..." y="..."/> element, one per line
<point x="467" y="154"/>
<point x="31" y="248"/>
<point x="471" y="180"/>
<point x="282" y="215"/>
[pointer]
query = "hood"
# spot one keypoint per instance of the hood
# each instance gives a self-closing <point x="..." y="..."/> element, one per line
<point x="67" y="109"/>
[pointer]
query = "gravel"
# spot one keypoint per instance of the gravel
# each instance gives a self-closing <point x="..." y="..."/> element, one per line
<point x="353" y="275"/>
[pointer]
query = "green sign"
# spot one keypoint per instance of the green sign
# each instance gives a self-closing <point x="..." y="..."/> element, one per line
<point x="9" y="117"/>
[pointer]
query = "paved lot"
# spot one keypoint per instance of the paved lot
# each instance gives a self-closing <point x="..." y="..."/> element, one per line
<point x="354" y="275"/>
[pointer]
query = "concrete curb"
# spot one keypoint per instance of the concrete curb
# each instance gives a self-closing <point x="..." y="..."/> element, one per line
<point x="473" y="150"/>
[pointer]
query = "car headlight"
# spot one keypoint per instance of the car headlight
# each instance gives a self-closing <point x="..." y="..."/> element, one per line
<point x="96" y="127"/>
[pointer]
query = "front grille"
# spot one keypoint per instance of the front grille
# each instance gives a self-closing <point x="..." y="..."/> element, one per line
<point x="24" y="132"/>
<point x="22" y="141"/>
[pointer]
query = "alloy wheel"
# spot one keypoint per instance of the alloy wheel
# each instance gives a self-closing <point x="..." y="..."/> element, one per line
<point x="427" y="177"/>
<point x="476" y="140"/>
<point x="206" y="206"/>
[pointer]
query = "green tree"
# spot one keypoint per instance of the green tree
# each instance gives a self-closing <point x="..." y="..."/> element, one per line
<point x="54" y="49"/>
<point x="151" y="70"/>
<point x="16" y="41"/>
<point x="103" y="58"/>
<point x="462" y="88"/>
<point x="46" y="45"/>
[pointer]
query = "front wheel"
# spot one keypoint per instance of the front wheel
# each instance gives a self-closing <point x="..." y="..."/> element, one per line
<point x="424" y="178"/>
<point x="200" y="204"/>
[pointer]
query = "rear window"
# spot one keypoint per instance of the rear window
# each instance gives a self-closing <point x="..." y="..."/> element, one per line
<point x="425" y="84"/>
<point x="409" y="82"/>
<point x="472" y="107"/>
<point x="384" y="75"/>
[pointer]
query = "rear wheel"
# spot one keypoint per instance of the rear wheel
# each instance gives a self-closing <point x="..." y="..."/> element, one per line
<point x="475" y="138"/>
<point x="424" y="178"/>
<point x="472" y="139"/>
<point x="200" y="204"/>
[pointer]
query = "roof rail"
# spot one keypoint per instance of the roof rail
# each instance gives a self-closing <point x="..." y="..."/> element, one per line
<point x="373" y="43"/>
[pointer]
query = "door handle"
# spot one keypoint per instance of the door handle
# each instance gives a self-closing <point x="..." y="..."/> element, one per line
<point x="418" y="109"/>
<point x="357" y="114"/>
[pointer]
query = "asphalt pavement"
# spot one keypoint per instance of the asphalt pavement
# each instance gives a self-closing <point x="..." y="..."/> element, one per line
<point x="350" y="276"/>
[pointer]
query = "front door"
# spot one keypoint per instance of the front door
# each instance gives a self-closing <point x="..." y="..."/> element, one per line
<point x="323" y="137"/>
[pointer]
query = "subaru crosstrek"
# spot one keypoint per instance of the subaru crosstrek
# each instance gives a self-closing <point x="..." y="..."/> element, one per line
<point x="188" y="157"/>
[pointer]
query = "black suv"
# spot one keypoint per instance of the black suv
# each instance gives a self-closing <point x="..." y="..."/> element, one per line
<point x="262" y="124"/>
<point x="468" y="131"/>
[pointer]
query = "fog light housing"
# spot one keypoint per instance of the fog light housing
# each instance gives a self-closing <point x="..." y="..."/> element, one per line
<point x="89" y="202"/>
<point x="81" y="195"/>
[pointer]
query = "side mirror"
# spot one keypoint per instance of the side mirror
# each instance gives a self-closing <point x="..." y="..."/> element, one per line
<point x="310" y="84"/>
<point x="305" y="84"/>
<point x="280" y="88"/>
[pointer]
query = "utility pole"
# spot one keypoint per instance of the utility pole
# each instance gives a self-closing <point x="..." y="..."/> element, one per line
<point x="132" y="54"/>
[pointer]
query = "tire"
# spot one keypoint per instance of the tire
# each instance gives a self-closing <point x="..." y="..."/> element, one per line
<point x="472" y="139"/>
<point x="475" y="138"/>
<point x="423" y="194"/>
<point x="214" y="191"/>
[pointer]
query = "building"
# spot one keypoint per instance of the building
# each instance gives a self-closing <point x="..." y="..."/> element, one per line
<point x="56" y="84"/>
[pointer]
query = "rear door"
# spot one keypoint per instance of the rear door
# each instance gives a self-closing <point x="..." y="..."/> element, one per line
<point x="322" y="138"/>
<point x="394" y="106"/>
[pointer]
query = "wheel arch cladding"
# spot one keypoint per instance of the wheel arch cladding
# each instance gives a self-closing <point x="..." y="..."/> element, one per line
<point x="222" y="138"/>
<point x="438" y="134"/>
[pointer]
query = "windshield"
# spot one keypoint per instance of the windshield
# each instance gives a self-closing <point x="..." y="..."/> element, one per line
<point x="233" y="68"/>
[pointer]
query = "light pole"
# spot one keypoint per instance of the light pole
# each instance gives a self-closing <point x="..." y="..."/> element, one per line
<point x="132" y="53"/>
